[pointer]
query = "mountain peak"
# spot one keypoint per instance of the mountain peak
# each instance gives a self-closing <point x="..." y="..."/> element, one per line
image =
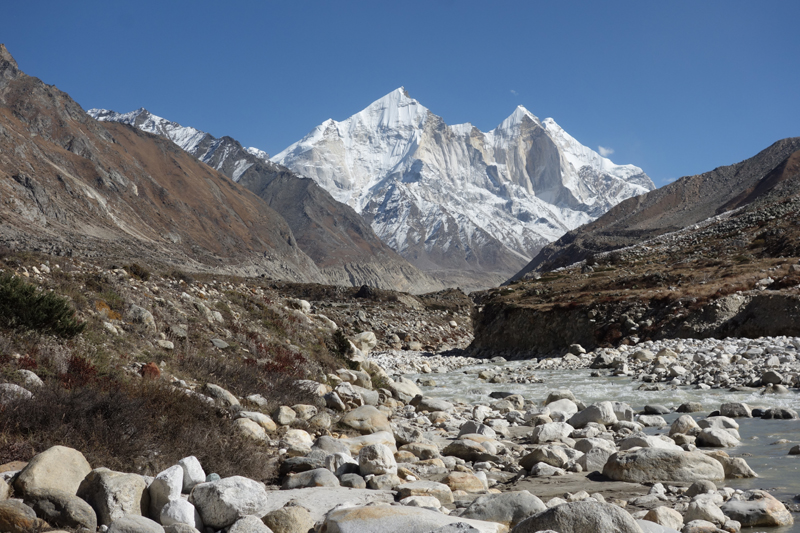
<point x="9" y="69"/>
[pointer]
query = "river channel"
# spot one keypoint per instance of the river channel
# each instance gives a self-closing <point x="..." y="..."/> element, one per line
<point x="778" y="472"/>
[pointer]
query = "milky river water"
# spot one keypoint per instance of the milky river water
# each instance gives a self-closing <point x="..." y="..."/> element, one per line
<point x="779" y="473"/>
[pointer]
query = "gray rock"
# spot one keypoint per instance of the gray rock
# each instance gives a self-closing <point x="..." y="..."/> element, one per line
<point x="140" y="315"/>
<point x="476" y="428"/>
<point x="9" y="392"/>
<point x="656" y="464"/>
<point x="16" y="517"/>
<point x="758" y="508"/>
<point x="330" y="445"/>
<point x="220" y="394"/>
<point x="550" y="432"/>
<point x="440" y="491"/>
<point x="221" y="503"/>
<point x="376" y="459"/>
<point x="581" y="517"/>
<point x="716" y="438"/>
<point x="690" y="407"/>
<point x="353" y="481"/>
<point x="599" y="413"/>
<point x="320" y="477"/>
<point x="59" y="508"/>
<point x="424" y="403"/>
<point x="193" y="472"/>
<point x="656" y="410"/>
<point x="134" y="524"/>
<point x="700" y="487"/>
<point x="180" y="511"/>
<point x="736" y="410"/>
<point x="115" y="494"/>
<point x="508" y="508"/>
<point x="396" y="519"/>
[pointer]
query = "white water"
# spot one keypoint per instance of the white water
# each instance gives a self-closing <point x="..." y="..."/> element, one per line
<point x="778" y="472"/>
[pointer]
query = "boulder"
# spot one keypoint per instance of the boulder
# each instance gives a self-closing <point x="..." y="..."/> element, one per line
<point x="396" y="519"/>
<point x="284" y="415"/>
<point x="193" y="472"/>
<point x="113" y="495"/>
<point x="580" y="517"/>
<point x="648" y="441"/>
<point x="16" y="517"/>
<point x="468" y="450"/>
<point x="366" y="420"/>
<point x="716" y="438"/>
<point x="289" y="519"/>
<point x="330" y="445"/>
<point x="735" y="410"/>
<point x="734" y="467"/>
<point x="319" y="477"/>
<point x="685" y="425"/>
<point x="259" y="418"/>
<point x="384" y="482"/>
<point x="508" y="508"/>
<point x="365" y="341"/>
<point x="165" y="487"/>
<point x="319" y="500"/>
<point x="249" y="524"/>
<point x="404" y="389"/>
<point x="561" y="410"/>
<point x="62" y="509"/>
<point x="758" y="508"/>
<point x="465" y="481"/>
<point x="181" y="511"/>
<point x="134" y="524"/>
<point x="355" y="444"/>
<point x="223" y="396"/>
<point x="704" y="509"/>
<point x="58" y="468"/>
<point x="250" y="429"/>
<point x="550" y="432"/>
<point x="376" y="459"/>
<point x="664" y="516"/>
<point x="221" y="503"/>
<point x="599" y="413"/>
<point x="425" y="403"/>
<point x="440" y="491"/>
<point x="552" y="455"/>
<point x="655" y="464"/>
<point x="476" y="428"/>
<point x="700" y="526"/>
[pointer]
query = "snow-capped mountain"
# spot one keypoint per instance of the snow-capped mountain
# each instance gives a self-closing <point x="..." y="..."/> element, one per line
<point x="342" y="245"/>
<point x="216" y="153"/>
<point x="453" y="198"/>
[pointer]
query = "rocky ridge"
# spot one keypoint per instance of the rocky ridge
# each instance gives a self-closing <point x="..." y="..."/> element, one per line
<point x="342" y="245"/>
<point x="75" y="187"/>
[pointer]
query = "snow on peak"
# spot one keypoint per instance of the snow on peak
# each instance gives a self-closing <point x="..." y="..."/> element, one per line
<point x="512" y="185"/>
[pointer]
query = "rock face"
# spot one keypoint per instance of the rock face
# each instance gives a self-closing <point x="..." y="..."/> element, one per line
<point x="342" y="245"/>
<point x="452" y="198"/>
<point x="580" y="517"/>
<point x="656" y="464"/>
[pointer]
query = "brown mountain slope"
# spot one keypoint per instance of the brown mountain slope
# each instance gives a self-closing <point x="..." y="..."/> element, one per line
<point x="73" y="186"/>
<point x="682" y="203"/>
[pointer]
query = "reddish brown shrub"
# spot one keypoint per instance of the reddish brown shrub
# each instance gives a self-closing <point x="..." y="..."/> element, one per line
<point x="150" y="371"/>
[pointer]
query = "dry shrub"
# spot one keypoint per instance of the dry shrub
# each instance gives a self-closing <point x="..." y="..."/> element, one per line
<point x="142" y="426"/>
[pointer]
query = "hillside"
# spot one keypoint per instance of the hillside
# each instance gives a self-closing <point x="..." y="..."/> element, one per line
<point x="687" y="201"/>
<point x="734" y="274"/>
<point x="337" y="239"/>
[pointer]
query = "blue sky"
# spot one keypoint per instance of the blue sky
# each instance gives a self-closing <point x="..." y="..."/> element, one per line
<point x="677" y="88"/>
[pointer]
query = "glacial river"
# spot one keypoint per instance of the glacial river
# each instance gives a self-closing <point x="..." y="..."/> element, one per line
<point x="778" y="472"/>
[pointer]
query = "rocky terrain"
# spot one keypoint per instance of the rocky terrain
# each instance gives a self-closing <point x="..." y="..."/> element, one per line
<point x="687" y="201"/>
<point x="336" y="238"/>
<point x="734" y="274"/>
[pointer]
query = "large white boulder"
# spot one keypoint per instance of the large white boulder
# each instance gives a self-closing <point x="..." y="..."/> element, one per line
<point x="221" y="503"/>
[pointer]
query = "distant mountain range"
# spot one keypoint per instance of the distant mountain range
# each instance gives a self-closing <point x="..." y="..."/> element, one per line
<point x="341" y="244"/>
<point x="468" y="206"/>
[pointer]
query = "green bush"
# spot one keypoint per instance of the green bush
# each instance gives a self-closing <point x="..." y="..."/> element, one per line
<point x="23" y="306"/>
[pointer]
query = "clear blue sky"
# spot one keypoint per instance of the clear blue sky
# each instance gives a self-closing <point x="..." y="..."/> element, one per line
<point x="676" y="87"/>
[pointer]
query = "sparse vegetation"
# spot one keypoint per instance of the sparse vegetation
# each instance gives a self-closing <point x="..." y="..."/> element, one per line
<point x="23" y="305"/>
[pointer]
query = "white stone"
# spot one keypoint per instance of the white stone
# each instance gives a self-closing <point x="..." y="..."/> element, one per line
<point x="193" y="472"/>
